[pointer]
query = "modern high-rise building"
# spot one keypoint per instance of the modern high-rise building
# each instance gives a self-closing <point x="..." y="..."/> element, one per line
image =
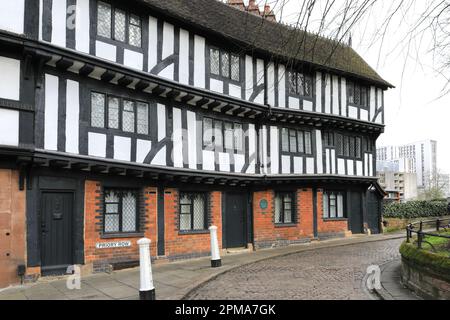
<point x="418" y="157"/>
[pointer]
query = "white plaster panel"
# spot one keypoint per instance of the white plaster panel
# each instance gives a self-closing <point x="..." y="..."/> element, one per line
<point x="341" y="166"/>
<point x="160" y="158"/>
<point x="122" y="148"/>
<point x="168" y="40"/>
<point x="281" y="86"/>
<point x="271" y="84"/>
<point x="9" y="78"/>
<point x="59" y="22"/>
<point x="350" y="168"/>
<point x="106" y="51"/>
<point x="152" y="43"/>
<point x="318" y="92"/>
<point x="82" y="22"/>
<point x="319" y="151"/>
<point x="343" y="97"/>
<point x="274" y="150"/>
<point x="294" y="103"/>
<point x="248" y="77"/>
<point x="12" y="15"/>
<point x="353" y="112"/>
<point x="307" y="105"/>
<point x="327" y="93"/>
<point x="310" y="165"/>
<point x="133" y="59"/>
<point x="364" y="115"/>
<point x="359" y="168"/>
<point x="72" y="116"/>
<point x="235" y="91"/>
<point x="216" y="85"/>
<point x="199" y="61"/>
<point x="192" y="139"/>
<point x="298" y="165"/>
<point x="184" y="57"/>
<point x="9" y="127"/>
<point x="239" y="162"/>
<point x="51" y="112"/>
<point x="208" y="160"/>
<point x="224" y="162"/>
<point x="97" y="144"/>
<point x="177" y="139"/>
<point x="335" y="81"/>
<point x="161" y="121"/>
<point x="168" y="72"/>
<point x="285" y="164"/>
<point x="143" y="148"/>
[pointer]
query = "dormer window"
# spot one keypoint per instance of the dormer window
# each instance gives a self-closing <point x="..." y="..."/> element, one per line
<point x="224" y="64"/>
<point x="116" y="24"/>
<point x="357" y="94"/>
<point x="300" y="84"/>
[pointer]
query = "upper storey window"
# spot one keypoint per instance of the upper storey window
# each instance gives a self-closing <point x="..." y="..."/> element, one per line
<point x="224" y="64"/>
<point x="296" y="141"/>
<point x="116" y="24"/>
<point x="223" y="134"/>
<point x="358" y="94"/>
<point x="300" y="84"/>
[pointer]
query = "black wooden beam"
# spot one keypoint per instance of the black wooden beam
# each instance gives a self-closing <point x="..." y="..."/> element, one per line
<point x="86" y="69"/>
<point x="142" y="85"/>
<point x="158" y="90"/>
<point x="64" y="63"/>
<point x="108" y="75"/>
<point x="125" y="81"/>
<point x="202" y="102"/>
<point x="187" y="98"/>
<point x="173" y="94"/>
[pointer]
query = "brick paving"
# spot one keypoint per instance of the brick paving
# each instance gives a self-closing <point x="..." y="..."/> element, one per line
<point x="328" y="273"/>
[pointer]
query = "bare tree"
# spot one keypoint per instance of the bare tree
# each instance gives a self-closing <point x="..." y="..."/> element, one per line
<point x="436" y="186"/>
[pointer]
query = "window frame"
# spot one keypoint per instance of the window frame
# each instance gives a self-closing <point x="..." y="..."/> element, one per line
<point x="326" y="195"/>
<point x="106" y="115"/>
<point x="294" y="218"/>
<point x="231" y="55"/>
<point x="300" y="93"/>
<point x="121" y="191"/>
<point x="363" y="90"/>
<point x="299" y="132"/>
<point x="112" y="37"/>
<point x="213" y="145"/>
<point x="344" y="144"/>
<point x="206" y="221"/>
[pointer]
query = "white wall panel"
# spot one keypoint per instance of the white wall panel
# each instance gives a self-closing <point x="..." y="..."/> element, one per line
<point x="359" y="168"/>
<point x="161" y="110"/>
<point x="72" y="116"/>
<point x="168" y="72"/>
<point x="285" y="164"/>
<point x="192" y="139"/>
<point x="160" y="158"/>
<point x="353" y="112"/>
<point x="341" y="166"/>
<point x="216" y="85"/>
<point x="274" y="150"/>
<point x="168" y="40"/>
<point x="298" y="165"/>
<point x="248" y="77"/>
<point x="310" y="165"/>
<point x="9" y="127"/>
<point x="350" y="168"/>
<point x="97" y="144"/>
<point x="12" y="15"/>
<point x="199" y="61"/>
<point x="318" y="92"/>
<point x="177" y="139"/>
<point x="105" y="51"/>
<point x="82" y="22"/>
<point x="327" y="93"/>
<point x="122" y="148"/>
<point x="239" y="162"/>
<point x="224" y="162"/>
<point x="184" y="57"/>
<point x="335" y="81"/>
<point x="307" y="105"/>
<point x="208" y="160"/>
<point x="9" y="78"/>
<point x="235" y="91"/>
<point x="294" y="103"/>
<point x="143" y="147"/>
<point x="333" y="161"/>
<point x="281" y="86"/>
<point x="343" y="97"/>
<point x="51" y="112"/>
<point x="133" y="59"/>
<point x="59" y="22"/>
<point x="152" y="42"/>
<point x="319" y="152"/>
<point x="271" y="84"/>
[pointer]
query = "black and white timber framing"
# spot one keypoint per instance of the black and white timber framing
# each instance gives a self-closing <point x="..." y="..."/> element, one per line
<point x="49" y="71"/>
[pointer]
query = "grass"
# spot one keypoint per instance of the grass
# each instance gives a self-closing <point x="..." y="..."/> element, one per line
<point x="441" y="245"/>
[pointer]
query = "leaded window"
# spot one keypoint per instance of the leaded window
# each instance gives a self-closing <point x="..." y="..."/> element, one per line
<point x="349" y="146"/>
<point x="128" y="116"/>
<point x="97" y="110"/>
<point x="285" y="207"/>
<point x="113" y="112"/>
<point x="218" y="134"/>
<point x="296" y="141"/>
<point x="300" y="84"/>
<point x="120" y="211"/>
<point x="116" y="24"/>
<point x="142" y="118"/>
<point x="224" y="64"/>
<point x="357" y="94"/>
<point x="104" y="20"/>
<point x="193" y="213"/>
<point x="333" y="204"/>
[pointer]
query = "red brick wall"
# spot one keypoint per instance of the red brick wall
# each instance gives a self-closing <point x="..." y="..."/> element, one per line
<point x="179" y="245"/>
<point x="328" y="226"/>
<point x="12" y="227"/>
<point x="267" y="234"/>
<point x="93" y="227"/>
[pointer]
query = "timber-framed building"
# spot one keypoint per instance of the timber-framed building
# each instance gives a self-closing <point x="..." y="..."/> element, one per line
<point x="124" y="119"/>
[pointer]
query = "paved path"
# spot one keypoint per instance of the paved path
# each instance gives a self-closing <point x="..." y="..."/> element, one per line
<point x="328" y="273"/>
<point x="326" y="261"/>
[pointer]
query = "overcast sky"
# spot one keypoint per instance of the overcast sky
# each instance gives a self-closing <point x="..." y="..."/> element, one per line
<point x="413" y="110"/>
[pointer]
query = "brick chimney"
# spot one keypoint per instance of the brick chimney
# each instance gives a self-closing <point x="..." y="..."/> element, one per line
<point x="253" y="7"/>
<point x="268" y="14"/>
<point x="237" y="4"/>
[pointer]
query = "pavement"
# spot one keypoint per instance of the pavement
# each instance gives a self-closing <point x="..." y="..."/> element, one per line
<point x="391" y="286"/>
<point x="183" y="279"/>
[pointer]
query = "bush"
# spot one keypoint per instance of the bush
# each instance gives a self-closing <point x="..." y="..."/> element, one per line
<point x="415" y="209"/>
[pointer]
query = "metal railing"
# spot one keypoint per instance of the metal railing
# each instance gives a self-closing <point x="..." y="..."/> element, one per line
<point x="420" y="227"/>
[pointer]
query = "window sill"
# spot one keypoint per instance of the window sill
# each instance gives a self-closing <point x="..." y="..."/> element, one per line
<point x="193" y="232"/>
<point x="334" y="219"/>
<point x="286" y="225"/>
<point x="122" y="235"/>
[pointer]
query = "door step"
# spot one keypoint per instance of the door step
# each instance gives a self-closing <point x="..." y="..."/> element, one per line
<point x="238" y="250"/>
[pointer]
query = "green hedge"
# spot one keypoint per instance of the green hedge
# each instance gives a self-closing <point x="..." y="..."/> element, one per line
<point x="415" y="209"/>
<point x="426" y="259"/>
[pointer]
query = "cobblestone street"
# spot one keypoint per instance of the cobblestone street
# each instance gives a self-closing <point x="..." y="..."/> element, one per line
<point x="329" y="273"/>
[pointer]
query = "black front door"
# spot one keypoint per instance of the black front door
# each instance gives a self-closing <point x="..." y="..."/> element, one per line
<point x="356" y="220"/>
<point x="373" y="212"/>
<point x="234" y="220"/>
<point x="56" y="231"/>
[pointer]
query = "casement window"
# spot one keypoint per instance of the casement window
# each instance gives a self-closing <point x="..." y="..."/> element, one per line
<point x="357" y="94"/>
<point x="116" y="24"/>
<point x="120" y="114"/>
<point x="333" y="204"/>
<point x="285" y="207"/>
<point x="224" y="64"/>
<point x="296" y="141"/>
<point x="328" y="139"/>
<point x="120" y="211"/>
<point x="218" y="134"/>
<point x="193" y="211"/>
<point x="349" y="146"/>
<point x="300" y="84"/>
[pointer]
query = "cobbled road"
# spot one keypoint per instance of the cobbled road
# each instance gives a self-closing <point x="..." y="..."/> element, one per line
<point x="328" y="274"/>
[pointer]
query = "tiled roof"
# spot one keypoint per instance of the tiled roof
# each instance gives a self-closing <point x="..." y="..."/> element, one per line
<point x="252" y="32"/>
